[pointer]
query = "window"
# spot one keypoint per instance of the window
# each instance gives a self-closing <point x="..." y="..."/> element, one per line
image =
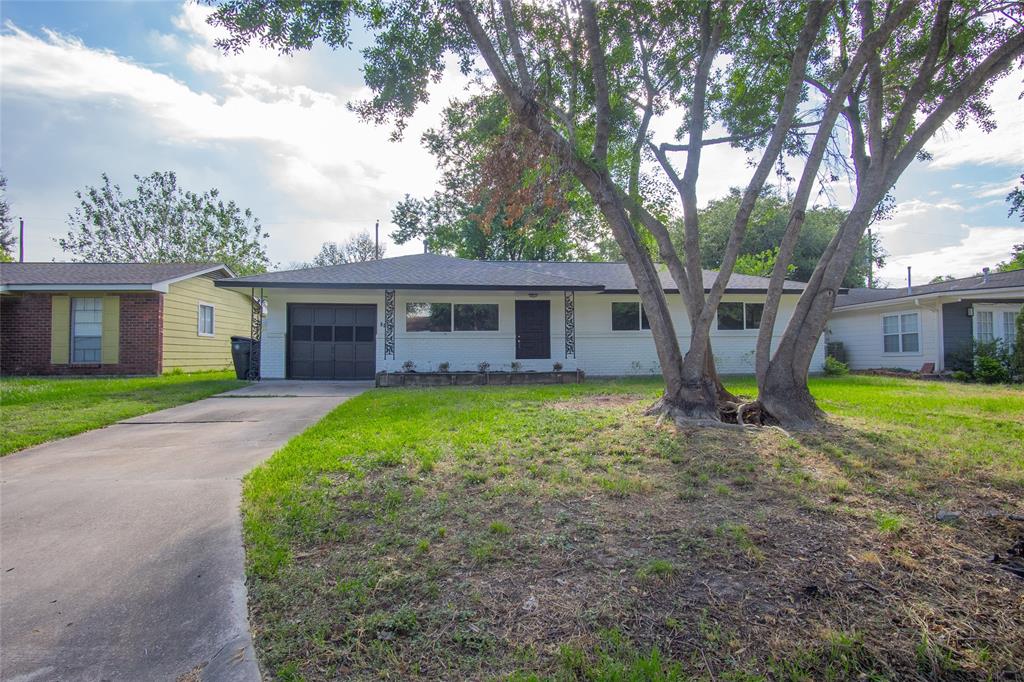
<point x="205" y="319"/>
<point x="733" y="315"/>
<point x="900" y="334"/>
<point x="629" y="317"/>
<point x="428" y="317"/>
<point x="444" y="317"/>
<point x="476" y="317"/>
<point x="985" y="328"/>
<point x="1010" y="328"/>
<point x="86" y="329"/>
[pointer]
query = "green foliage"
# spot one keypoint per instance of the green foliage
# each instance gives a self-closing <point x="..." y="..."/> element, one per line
<point x="990" y="362"/>
<point x="501" y="197"/>
<point x="767" y="225"/>
<point x="1016" y="260"/>
<point x="163" y="224"/>
<point x="760" y="264"/>
<point x="7" y="238"/>
<point x="835" y="368"/>
<point x="1016" y="200"/>
<point x="359" y="248"/>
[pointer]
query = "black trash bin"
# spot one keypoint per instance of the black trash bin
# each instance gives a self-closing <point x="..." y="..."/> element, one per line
<point x="241" y="347"/>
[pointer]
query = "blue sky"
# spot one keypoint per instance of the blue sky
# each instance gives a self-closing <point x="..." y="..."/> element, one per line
<point x="133" y="87"/>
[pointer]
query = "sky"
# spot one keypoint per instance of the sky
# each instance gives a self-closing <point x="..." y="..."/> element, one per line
<point x="129" y="88"/>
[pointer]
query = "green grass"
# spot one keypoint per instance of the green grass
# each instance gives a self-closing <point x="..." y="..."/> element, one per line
<point x="37" y="410"/>
<point x="556" y="533"/>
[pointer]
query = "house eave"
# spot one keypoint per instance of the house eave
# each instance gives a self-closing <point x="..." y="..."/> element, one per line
<point x="966" y="295"/>
<point x="416" y="287"/>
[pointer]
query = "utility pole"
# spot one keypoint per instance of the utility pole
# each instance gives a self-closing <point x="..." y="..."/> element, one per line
<point x="21" y="241"/>
<point x="376" y="240"/>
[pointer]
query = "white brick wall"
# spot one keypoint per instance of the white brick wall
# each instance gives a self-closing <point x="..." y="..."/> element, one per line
<point x="599" y="350"/>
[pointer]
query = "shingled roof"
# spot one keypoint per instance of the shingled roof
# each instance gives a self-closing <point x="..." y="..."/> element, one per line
<point x="433" y="271"/>
<point x="996" y="280"/>
<point x="54" y="275"/>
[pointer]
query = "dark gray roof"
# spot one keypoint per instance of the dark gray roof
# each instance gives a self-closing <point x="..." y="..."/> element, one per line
<point x="433" y="271"/>
<point x="996" y="280"/>
<point x="53" y="274"/>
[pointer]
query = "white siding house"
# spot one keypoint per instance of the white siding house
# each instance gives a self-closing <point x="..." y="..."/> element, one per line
<point x="317" y="322"/>
<point x="927" y="324"/>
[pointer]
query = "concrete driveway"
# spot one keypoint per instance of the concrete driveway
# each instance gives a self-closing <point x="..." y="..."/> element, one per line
<point x="120" y="549"/>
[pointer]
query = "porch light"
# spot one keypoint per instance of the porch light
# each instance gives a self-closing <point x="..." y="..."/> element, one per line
<point x="970" y="311"/>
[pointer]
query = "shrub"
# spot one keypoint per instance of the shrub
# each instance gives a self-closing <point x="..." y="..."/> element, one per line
<point x="483" y="367"/>
<point x="442" y="367"/>
<point x="408" y="366"/>
<point x="835" y="368"/>
<point x="516" y="366"/>
<point x="961" y="375"/>
<point x="557" y="367"/>
<point x="988" y="370"/>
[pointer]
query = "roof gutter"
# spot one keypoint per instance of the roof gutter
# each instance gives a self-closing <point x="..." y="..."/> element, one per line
<point x="903" y="300"/>
<point x="235" y="284"/>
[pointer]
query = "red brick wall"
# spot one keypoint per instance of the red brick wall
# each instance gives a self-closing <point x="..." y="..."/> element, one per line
<point x="25" y="336"/>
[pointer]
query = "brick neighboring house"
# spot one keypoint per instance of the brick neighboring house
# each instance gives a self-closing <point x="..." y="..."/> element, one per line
<point x="117" y="318"/>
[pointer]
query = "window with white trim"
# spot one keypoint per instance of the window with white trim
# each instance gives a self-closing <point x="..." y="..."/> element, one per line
<point x="205" y="319"/>
<point x="629" y="316"/>
<point x="734" y="315"/>
<point x="900" y="333"/>
<point x="86" y="329"/>
<point x="984" y="326"/>
<point x="1010" y="327"/>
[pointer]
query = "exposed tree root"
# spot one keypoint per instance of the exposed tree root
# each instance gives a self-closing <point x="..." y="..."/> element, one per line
<point x="731" y="415"/>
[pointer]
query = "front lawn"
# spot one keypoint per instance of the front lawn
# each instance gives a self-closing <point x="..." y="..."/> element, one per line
<point x="556" y="533"/>
<point x="35" y="410"/>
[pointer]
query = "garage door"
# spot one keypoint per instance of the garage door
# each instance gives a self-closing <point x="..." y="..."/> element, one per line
<point x="332" y="341"/>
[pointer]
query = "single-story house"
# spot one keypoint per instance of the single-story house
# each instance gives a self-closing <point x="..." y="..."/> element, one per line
<point x="117" y="318"/>
<point x="353" y="320"/>
<point x="909" y="328"/>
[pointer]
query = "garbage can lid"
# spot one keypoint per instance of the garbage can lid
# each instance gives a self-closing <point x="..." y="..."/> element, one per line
<point x="241" y="338"/>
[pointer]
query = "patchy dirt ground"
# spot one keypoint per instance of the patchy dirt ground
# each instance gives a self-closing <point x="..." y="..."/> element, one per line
<point x="583" y="538"/>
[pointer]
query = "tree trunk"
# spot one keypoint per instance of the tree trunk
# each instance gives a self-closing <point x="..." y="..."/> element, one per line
<point x="783" y="392"/>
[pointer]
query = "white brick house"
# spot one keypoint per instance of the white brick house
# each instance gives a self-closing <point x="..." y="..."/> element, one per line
<point x="351" y="321"/>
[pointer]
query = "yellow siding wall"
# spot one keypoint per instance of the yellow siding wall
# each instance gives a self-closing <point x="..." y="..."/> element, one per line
<point x="184" y="348"/>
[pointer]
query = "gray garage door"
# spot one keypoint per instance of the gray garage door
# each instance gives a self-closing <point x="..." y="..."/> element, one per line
<point x="332" y="341"/>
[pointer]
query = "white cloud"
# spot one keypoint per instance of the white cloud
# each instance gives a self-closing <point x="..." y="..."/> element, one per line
<point x="980" y="247"/>
<point x="324" y="164"/>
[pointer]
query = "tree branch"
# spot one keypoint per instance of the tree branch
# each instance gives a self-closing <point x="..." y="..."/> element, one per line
<point x="673" y="147"/>
<point x="602" y="127"/>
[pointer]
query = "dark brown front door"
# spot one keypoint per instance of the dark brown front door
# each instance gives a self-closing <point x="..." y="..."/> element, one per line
<point x="332" y="341"/>
<point x="533" y="330"/>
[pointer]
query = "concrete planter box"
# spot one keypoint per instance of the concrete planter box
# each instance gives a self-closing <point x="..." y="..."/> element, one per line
<point x="393" y="379"/>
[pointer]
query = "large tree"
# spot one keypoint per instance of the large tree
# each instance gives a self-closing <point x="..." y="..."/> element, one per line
<point x="163" y="223"/>
<point x="7" y="238"/>
<point x="501" y="196"/>
<point x="358" y="248"/>
<point x="766" y="229"/>
<point x="587" y="82"/>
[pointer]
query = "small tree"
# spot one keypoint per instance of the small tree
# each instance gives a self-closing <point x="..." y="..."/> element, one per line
<point x="358" y="248"/>
<point x="7" y="238"/>
<point x="163" y="224"/>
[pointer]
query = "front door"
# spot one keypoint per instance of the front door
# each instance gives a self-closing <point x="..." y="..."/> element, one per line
<point x="331" y="341"/>
<point x="533" y="330"/>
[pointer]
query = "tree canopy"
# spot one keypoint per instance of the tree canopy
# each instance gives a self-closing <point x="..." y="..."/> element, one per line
<point x="163" y="223"/>
<point x="764" y="233"/>
<point x="358" y="248"/>
<point x="501" y="196"/>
